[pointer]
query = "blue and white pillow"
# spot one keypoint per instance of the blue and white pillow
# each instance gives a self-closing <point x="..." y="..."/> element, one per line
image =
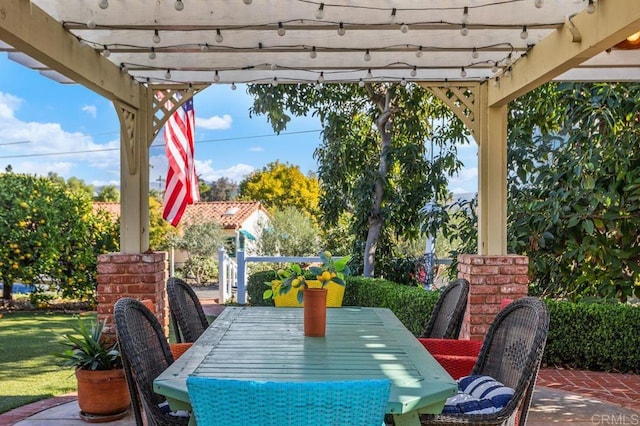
<point x="478" y="395"/>
<point x="164" y="407"/>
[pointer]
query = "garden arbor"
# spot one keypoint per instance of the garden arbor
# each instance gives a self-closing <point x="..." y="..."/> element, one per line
<point x="475" y="55"/>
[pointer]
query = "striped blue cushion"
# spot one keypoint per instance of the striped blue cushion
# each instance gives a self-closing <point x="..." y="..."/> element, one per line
<point x="478" y="395"/>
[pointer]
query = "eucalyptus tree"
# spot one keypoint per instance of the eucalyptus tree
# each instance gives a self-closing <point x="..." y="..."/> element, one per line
<point x="372" y="160"/>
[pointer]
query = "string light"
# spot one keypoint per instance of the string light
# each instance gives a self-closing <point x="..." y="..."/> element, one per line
<point x="274" y="83"/>
<point x="496" y="82"/>
<point x="475" y="54"/>
<point x="106" y="52"/>
<point x="103" y="4"/>
<point x="124" y="67"/>
<point x="524" y="34"/>
<point x="369" y="73"/>
<point x="404" y="28"/>
<point x="178" y="5"/>
<point x="216" y="76"/>
<point x="463" y="72"/>
<point x="274" y="67"/>
<point x="341" y="30"/>
<point x="313" y="54"/>
<point x="591" y="7"/>
<point x="281" y="30"/>
<point x="464" y="30"/>
<point x="91" y="24"/>
<point x="233" y="85"/>
<point x="403" y="82"/>
<point x="321" y="78"/>
<point x="507" y="72"/>
<point x="419" y="52"/>
<point x="392" y="18"/>
<point x="367" y="55"/>
<point x="204" y="47"/>
<point x="508" y="60"/>
<point x="167" y="74"/>
<point x="538" y="3"/>
<point x="414" y="72"/>
<point x="219" y="37"/>
<point x="494" y="68"/>
<point x="156" y="37"/>
<point x="361" y="83"/>
<point x="446" y="83"/>
<point x="320" y="12"/>
<point x="465" y="15"/>
<point x="152" y="54"/>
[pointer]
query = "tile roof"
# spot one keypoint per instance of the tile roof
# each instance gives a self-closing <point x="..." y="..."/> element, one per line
<point x="230" y="214"/>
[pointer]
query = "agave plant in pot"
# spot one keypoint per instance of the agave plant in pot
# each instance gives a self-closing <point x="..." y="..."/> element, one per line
<point x="312" y="294"/>
<point x="102" y="388"/>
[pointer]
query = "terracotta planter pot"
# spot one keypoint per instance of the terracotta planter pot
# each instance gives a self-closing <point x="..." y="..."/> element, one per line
<point x="315" y="312"/>
<point x="102" y="392"/>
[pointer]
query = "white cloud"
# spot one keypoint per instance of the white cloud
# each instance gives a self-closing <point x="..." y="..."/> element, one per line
<point x="235" y="173"/>
<point x="91" y="110"/>
<point x="8" y="104"/>
<point x="256" y="149"/>
<point x="465" y="181"/>
<point x="215" y="122"/>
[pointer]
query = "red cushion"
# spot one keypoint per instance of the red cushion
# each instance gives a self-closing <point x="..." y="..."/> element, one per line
<point x="457" y="357"/>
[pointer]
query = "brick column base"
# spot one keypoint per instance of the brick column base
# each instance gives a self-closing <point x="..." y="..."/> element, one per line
<point x="491" y="280"/>
<point x="140" y="276"/>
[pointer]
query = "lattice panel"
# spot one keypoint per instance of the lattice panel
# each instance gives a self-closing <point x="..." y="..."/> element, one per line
<point x="462" y="101"/>
<point x="161" y="109"/>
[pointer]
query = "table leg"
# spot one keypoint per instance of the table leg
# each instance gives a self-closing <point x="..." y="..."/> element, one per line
<point x="407" y="419"/>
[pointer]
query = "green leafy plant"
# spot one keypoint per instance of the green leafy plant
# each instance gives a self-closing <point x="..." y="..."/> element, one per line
<point x="331" y="270"/>
<point x="88" y="349"/>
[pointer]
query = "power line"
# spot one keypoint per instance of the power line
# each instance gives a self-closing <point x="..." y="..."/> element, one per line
<point x="49" y="154"/>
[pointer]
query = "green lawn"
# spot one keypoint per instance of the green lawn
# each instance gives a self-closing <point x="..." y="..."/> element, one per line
<point x="28" y="370"/>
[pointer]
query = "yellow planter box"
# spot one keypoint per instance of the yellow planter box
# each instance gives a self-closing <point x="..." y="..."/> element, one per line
<point x="335" y="295"/>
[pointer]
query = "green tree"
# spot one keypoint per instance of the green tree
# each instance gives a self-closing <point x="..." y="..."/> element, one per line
<point x="108" y="193"/>
<point x="372" y="161"/>
<point x="160" y="231"/>
<point x="79" y="186"/>
<point x="50" y="233"/>
<point x="201" y="242"/>
<point x="280" y="185"/>
<point x="289" y="232"/>
<point x="222" y="189"/>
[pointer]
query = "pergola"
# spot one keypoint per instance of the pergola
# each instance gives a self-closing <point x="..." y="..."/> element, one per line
<point x="475" y="55"/>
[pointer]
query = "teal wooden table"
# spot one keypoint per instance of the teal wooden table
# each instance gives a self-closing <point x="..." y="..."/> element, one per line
<point x="258" y="343"/>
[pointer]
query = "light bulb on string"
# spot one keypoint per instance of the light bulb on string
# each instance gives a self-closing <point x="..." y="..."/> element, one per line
<point x="392" y="18"/>
<point x="419" y="52"/>
<point x="507" y="72"/>
<point x="156" y="37"/>
<point x="446" y="83"/>
<point x="404" y="28"/>
<point x="367" y="55"/>
<point x="103" y="4"/>
<point x="124" y="67"/>
<point x="91" y="24"/>
<point x="341" y="30"/>
<point x="369" y="73"/>
<point x="475" y="54"/>
<point x="219" y="37"/>
<point x="494" y="68"/>
<point x="403" y="82"/>
<point x="178" y="5"/>
<point x="167" y="75"/>
<point x="414" y="72"/>
<point x="281" y="30"/>
<point x="464" y="30"/>
<point x="591" y="7"/>
<point x="273" y="67"/>
<point x="320" y="11"/>
<point x="361" y="83"/>
<point x="524" y="34"/>
<point x="496" y="82"/>
<point x="321" y="78"/>
<point x="313" y="54"/>
<point x="106" y="52"/>
<point x="274" y="83"/>
<point x="538" y="3"/>
<point x="508" y="60"/>
<point x="204" y="47"/>
<point x="463" y="72"/>
<point x="233" y="85"/>
<point x="152" y="54"/>
<point x="216" y="76"/>
<point x="465" y="15"/>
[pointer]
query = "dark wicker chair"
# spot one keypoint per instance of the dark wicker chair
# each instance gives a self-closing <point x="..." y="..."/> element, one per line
<point x="511" y="353"/>
<point x="446" y="318"/>
<point x="189" y="320"/>
<point x="145" y="354"/>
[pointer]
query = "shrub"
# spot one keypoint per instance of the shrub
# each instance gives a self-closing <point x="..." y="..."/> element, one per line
<point x="593" y="336"/>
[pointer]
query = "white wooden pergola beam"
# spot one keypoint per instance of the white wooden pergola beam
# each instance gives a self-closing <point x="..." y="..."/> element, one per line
<point x="31" y="31"/>
<point x="582" y="37"/>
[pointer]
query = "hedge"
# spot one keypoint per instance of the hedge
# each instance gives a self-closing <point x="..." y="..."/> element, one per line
<point x="600" y="337"/>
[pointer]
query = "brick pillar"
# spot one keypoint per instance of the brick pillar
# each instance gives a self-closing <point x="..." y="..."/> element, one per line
<point x="140" y="276"/>
<point x="491" y="280"/>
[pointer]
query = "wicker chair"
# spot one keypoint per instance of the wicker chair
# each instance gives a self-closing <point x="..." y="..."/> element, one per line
<point x="511" y="353"/>
<point x="145" y="354"/>
<point x="226" y="401"/>
<point x="447" y="315"/>
<point x="189" y="320"/>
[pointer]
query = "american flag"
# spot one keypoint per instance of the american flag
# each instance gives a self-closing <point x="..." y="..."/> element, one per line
<point x="182" y="180"/>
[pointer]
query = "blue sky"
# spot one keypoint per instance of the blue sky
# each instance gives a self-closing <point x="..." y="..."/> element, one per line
<point x="47" y="127"/>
